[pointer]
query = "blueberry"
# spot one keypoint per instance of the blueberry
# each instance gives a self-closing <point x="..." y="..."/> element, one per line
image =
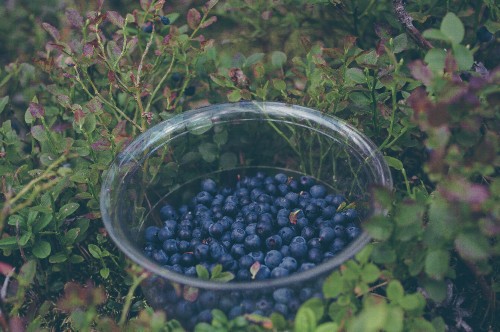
<point x="168" y="212"/>
<point x="190" y="271"/>
<point x="337" y="200"/>
<point x="306" y="266"/>
<point x="306" y="182"/>
<point x="337" y="245"/>
<point x="302" y="222"/>
<point x="176" y="268"/>
<point x="205" y="316"/>
<point x="243" y="274"/>
<point x="251" y="217"/>
<point x="251" y="229"/>
<point x="286" y="234"/>
<point x="264" y="229"/>
<point x="244" y="201"/>
<point x="338" y="218"/>
<point x="305" y="294"/>
<point x="216" y="230"/>
<point x="283" y="189"/>
<point x="281" y="178"/>
<point x="326" y="234"/>
<point x="246" y="261"/>
<point x="247" y="305"/>
<point x="160" y="257"/>
<point x="353" y="232"/>
<point x="351" y="213"/>
<point x="190" y="91"/>
<point x="339" y="231"/>
<point x="282" y="202"/>
<point x="184" y="309"/>
<point x="263" y="273"/>
<point x="151" y="233"/>
<point x="148" y="27"/>
<point x="315" y="255"/>
<point x="317" y="191"/>
<point x="285" y="251"/>
<point x="273" y="258"/>
<point x="263" y="304"/>
<point x="271" y="188"/>
<point x="294" y="185"/>
<point x="264" y="198"/>
<point x="283" y="295"/>
<point x="230" y="208"/>
<point x="170" y="246"/>
<point x="238" y="235"/>
<point x="255" y="193"/>
<point x="235" y="312"/>
<point x="298" y="247"/>
<point x="308" y="232"/>
<point x="294" y="304"/>
<point x="328" y="211"/>
<point x="216" y="251"/>
<point x="289" y="263"/>
<point x="228" y="263"/>
<point x="315" y="242"/>
<point x="184" y="233"/>
<point x="197" y="233"/>
<point x="327" y="255"/>
<point x="187" y="259"/>
<point x="292" y="197"/>
<point x="171" y="223"/>
<point x="252" y="242"/>
<point x="273" y="242"/>
<point x="258" y="256"/>
<point x="281" y="308"/>
<point x="483" y="35"/>
<point x="279" y="272"/>
<point x="184" y="246"/>
<point x="312" y="211"/>
<point x="175" y="259"/>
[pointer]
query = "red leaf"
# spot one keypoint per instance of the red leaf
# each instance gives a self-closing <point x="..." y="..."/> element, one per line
<point x="79" y="116"/>
<point x="450" y="64"/>
<point x="88" y="50"/>
<point x="115" y="18"/>
<point x="94" y="105"/>
<point x="36" y="110"/>
<point x="159" y="5"/>
<point x="74" y="18"/>
<point x="111" y="77"/>
<point x="209" y="22"/>
<point x="209" y="5"/>
<point x="51" y="30"/>
<point x="254" y="269"/>
<point x="193" y="18"/>
<point x="145" y="4"/>
<point x="5" y="268"/>
<point x="190" y="293"/>
<point x="101" y="145"/>
<point x="419" y="101"/>
<point x="421" y="72"/>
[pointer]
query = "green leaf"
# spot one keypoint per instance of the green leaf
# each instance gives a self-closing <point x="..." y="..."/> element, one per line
<point x="365" y="253"/>
<point x="452" y="27"/>
<point x="222" y="81"/>
<point x="8" y="242"/>
<point x="409" y="213"/>
<point x="394" y="163"/>
<point x="220" y="138"/>
<point x="95" y="251"/>
<point x="42" y="223"/>
<point x="90" y="123"/>
<point x="228" y="160"/>
<point x="208" y="151"/>
<point x="23" y="240"/>
<point x="70" y="236"/>
<point x="305" y="320"/>
<point x="317" y="307"/>
<point x="27" y="273"/>
<point x="279" y="84"/>
<point x="333" y="285"/>
<point x="435" y="59"/>
<point x="355" y="75"/>
<point x="435" y="34"/>
<point x="472" y="246"/>
<point x="253" y="59"/>
<point x="41" y="249"/>
<point x="436" y="289"/>
<point x="199" y="126"/>
<point x="437" y="263"/>
<point x="395" y="291"/>
<point x="396" y="320"/>
<point x="401" y="43"/>
<point x="412" y="302"/>
<point x="224" y="277"/>
<point x="370" y="273"/>
<point x="3" y="102"/>
<point x="234" y="96"/>
<point x="379" y="228"/>
<point x="59" y="257"/>
<point x="104" y="272"/>
<point x="463" y="56"/>
<point x="67" y="210"/>
<point x="279" y="322"/>
<point x="202" y="272"/>
<point x="216" y="271"/>
<point x="278" y="58"/>
<point x="39" y="133"/>
<point x="327" y="327"/>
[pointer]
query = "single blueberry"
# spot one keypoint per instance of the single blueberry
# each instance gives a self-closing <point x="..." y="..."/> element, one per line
<point x="243" y="274"/>
<point x="264" y="229"/>
<point x="274" y="242"/>
<point x="328" y="211"/>
<point x="281" y="178"/>
<point x="339" y="231"/>
<point x="263" y="304"/>
<point x="216" y="230"/>
<point x="168" y="212"/>
<point x="247" y="305"/>
<point x="251" y="228"/>
<point x="187" y="259"/>
<point x="302" y="222"/>
<point x="353" y="232"/>
<point x="151" y="233"/>
<point x="271" y="188"/>
<point x="175" y="259"/>
<point x="190" y="90"/>
<point x="228" y="263"/>
<point x="160" y="257"/>
<point x="148" y="27"/>
<point x="285" y="251"/>
<point x="337" y="245"/>
<point x="326" y="234"/>
<point x="338" y="218"/>
<point x="171" y="223"/>
<point x="308" y="232"/>
<point x="246" y="261"/>
<point x="216" y="251"/>
<point x="170" y="246"/>
<point x="184" y="309"/>
<point x="273" y="258"/>
<point x="351" y="213"/>
<point x="318" y="191"/>
<point x="289" y="263"/>
<point x="315" y="242"/>
<point x="184" y="233"/>
<point x="483" y="35"/>
<point x="337" y="200"/>
<point x="312" y="211"/>
<point x="190" y="271"/>
<point x="205" y="316"/>
<point x="252" y="242"/>
<point x="251" y="217"/>
<point x="204" y="197"/>
<point x="306" y="182"/>
<point x="263" y="273"/>
<point x="283" y="189"/>
<point x="230" y="208"/>
<point x="258" y="256"/>
<point x="283" y="295"/>
<point x="315" y="255"/>
<point x="164" y="20"/>
<point x="306" y="266"/>
<point x="238" y="235"/>
<point x="282" y="203"/>
<point x="292" y="197"/>
<point x="298" y="249"/>
<point x="184" y="246"/>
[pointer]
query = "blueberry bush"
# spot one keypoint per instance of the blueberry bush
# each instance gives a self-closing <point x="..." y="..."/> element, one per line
<point x="79" y="80"/>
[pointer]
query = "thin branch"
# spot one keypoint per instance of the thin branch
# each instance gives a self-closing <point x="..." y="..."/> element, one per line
<point x="407" y="21"/>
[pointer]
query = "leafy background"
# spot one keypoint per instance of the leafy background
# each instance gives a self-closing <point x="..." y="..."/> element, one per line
<point x="79" y="80"/>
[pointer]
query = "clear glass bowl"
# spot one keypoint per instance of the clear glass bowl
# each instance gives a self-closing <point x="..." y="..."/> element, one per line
<point x="223" y="142"/>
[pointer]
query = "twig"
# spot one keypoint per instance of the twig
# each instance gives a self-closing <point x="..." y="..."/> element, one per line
<point x="407" y="21"/>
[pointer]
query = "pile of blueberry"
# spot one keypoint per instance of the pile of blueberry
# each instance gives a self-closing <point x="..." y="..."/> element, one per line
<point x="263" y="227"/>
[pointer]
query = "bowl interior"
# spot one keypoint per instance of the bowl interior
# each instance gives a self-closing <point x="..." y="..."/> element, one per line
<point x="227" y="142"/>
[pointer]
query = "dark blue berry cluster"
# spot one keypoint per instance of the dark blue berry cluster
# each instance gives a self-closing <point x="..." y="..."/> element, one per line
<point x="263" y="227"/>
<point x="277" y="225"/>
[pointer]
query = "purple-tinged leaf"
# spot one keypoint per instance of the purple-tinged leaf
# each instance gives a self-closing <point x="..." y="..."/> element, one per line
<point x="51" y="30"/>
<point x="450" y="64"/>
<point x="63" y="100"/>
<point x="5" y="269"/>
<point x="145" y="4"/>
<point x="209" y="5"/>
<point x="211" y="20"/>
<point x="159" y="5"/>
<point x="472" y="246"/>
<point x="190" y="293"/>
<point x="36" y="110"/>
<point x="79" y="115"/>
<point x="101" y="144"/>
<point x="421" y="72"/>
<point x="419" y="101"/>
<point x="39" y="133"/>
<point x="74" y="18"/>
<point x="88" y="50"/>
<point x="254" y="269"/>
<point x="193" y="18"/>
<point x="94" y="106"/>
<point x="461" y="190"/>
<point x="99" y="4"/>
<point x="115" y="18"/>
